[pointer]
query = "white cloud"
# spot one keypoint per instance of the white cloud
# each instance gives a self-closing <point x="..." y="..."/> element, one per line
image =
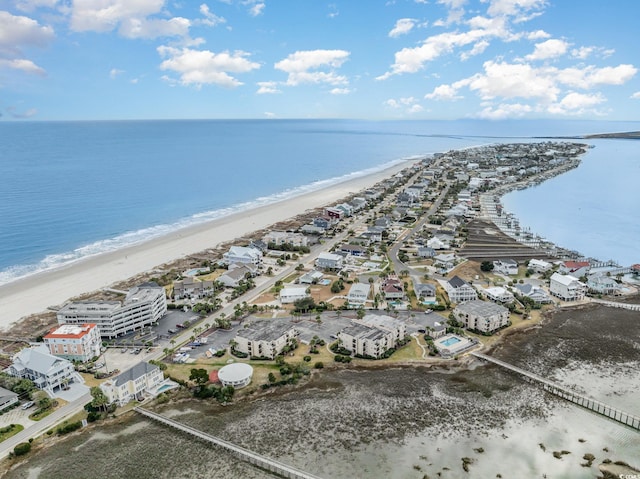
<point x="579" y="101"/>
<point x="333" y="11"/>
<point x="210" y="18"/>
<point x="444" y="93"/>
<point x="154" y="28"/>
<point x="114" y="73"/>
<point x="106" y="15"/>
<point x="17" y="31"/>
<point x="636" y="95"/>
<point x="23" y="65"/>
<point x="408" y="104"/>
<point x="14" y="113"/>
<point x="477" y="49"/>
<point x="31" y="5"/>
<point x="513" y="81"/>
<point x="537" y="35"/>
<point x="256" y="7"/>
<point x="202" y="67"/>
<point x="340" y="91"/>
<point x="268" y="87"/>
<point x="301" y="67"/>
<point x="402" y="27"/>
<point x="519" y="8"/>
<point x="552" y="48"/>
<point x="269" y="114"/>
<point x="590" y="76"/>
<point x="503" y="111"/>
<point x="455" y="14"/>
<point x="583" y="53"/>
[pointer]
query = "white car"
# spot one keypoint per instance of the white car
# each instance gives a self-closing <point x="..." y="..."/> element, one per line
<point x="28" y="404"/>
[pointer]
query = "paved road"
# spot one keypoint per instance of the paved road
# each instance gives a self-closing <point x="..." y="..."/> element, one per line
<point x="40" y="427"/>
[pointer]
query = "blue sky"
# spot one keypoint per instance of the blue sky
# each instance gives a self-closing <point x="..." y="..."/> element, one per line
<point x="365" y="59"/>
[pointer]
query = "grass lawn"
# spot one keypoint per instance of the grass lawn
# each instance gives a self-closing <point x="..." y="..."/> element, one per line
<point x="10" y="430"/>
<point x="36" y="416"/>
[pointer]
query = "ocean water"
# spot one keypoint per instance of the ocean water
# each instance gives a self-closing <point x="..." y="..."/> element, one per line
<point x="74" y="189"/>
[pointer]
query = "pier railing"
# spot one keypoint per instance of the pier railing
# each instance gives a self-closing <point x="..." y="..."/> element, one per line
<point x="570" y="395"/>
<point x="271" y="465"/>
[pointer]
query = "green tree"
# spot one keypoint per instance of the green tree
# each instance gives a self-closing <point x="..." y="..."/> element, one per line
<point x="199" y="376"/>
<point x="486" y="266"/>
<point x="100" y="399"/>
<point x="272" y="378"/>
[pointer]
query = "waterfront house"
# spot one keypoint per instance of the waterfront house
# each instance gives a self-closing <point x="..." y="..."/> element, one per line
<point x="290" y="294"/>
<point x="7" y="398"/>
<point x="459" y="290"/>
<point x="134" y="383"/>
<point x="539" y="265"/>
<point x="437" y="243"/>
<point x="506" y="266"/>
<point x="577" y="269"/>
<point x="232" y="277"/>
<point x="265" y="338"/>
<point x="280" y="238"/>
<point x="601" y="284"/>
<point x="537" y="294"/>
<point x="482" y="316"/>
<point x="324" y="222"/>
<point x="329" y="261"/>
<point x="354" y="250"/>
<point x="311" y="277"/>
<point x="242" y="255"/>
<point x="567" y="287"/>
<point x="358" y="293"/>
<point x="144" y="305"/>
<point x="426" y="252"/>
<point x="392" y="289"/>
<point x="334" y="213"/>
<point x="190" y="288"/>
<point x="48" y="372"/>
<point x="75" y="342"/>
<point x="426" y="293"/>
<point x="445" y="261"/>
<point x="498" y="294"/>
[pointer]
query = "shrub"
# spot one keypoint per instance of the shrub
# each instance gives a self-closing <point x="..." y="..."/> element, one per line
<point x="307" y="359"/>
<point x="22" y="448"/>
<point x="70" y="427"/>
<point x="319" y="365"/>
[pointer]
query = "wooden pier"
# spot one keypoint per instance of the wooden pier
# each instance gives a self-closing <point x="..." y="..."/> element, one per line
<point x="566" y="393"/>
<point x="614" y="304"/>
<point x="271" y="465"/>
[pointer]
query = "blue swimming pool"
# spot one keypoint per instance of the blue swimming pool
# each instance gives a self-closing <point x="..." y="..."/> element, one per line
<point x="450" y="341"/>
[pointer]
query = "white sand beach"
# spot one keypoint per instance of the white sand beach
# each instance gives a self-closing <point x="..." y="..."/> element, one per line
<point x="34" y="294"/>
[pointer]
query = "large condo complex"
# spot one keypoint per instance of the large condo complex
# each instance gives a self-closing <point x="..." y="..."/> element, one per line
<point x="144" y="304"/>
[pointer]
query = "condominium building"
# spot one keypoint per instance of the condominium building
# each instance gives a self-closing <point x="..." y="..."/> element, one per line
<point x="265" y="338"/>
<point x="80" y="342"/>
<point x="144" y="305"/>
<point x="372" y="335"/>
<point x="136" y="382"/>
<point x="482" y="316"/>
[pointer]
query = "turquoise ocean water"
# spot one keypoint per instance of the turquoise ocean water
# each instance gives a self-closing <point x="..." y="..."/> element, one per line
<point x="74" y="189"/>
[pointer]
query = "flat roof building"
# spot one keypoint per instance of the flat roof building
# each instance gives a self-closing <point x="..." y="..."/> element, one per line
<point x="75" y="342"/>
<point x="265" y="339"/>
<point x="482" y="316"/>
<point x="144" y="305"/>
<point x="237" y="375"/>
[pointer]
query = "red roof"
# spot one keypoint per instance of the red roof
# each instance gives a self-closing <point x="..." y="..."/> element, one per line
<point x="635" y="267"/>
<point x="70" y="331"/>
<point x="575" y="265"/>
<point x="213" y="376"/>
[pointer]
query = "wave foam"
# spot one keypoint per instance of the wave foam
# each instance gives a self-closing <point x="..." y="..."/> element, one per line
<point x="131" y="238"/>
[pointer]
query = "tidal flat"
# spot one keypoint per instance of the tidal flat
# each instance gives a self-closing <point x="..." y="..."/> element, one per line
<point x="402" y="422"/>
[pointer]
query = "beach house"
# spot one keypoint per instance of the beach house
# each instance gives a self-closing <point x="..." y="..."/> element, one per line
<point x="537" y="294"/>
<point x="567" y="287"/>
<point x="48" y="372"/>
<point x="7" y="398"/>
<point x="459" y="290"/>
<point x="539" y="265"/>
<point x="498" y="294"/>
<point x="392" y="289"/>
<point x="329" y="261"/>
<point x="242" y="255"/>
<point x="506" y="266"/>
<point x="358" y="294"/>
<point x="290" y="294"/>
<point x="134" y="383"/>
<point x="191" y="288"/>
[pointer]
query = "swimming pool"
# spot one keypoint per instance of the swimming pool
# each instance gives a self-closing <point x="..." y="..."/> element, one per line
<point x="450" y="341"/>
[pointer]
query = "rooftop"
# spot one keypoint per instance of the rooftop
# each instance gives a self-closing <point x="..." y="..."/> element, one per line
<point x="265" y="330"/>
<point x="480" y="308"/>
<point x="70" y="331"/>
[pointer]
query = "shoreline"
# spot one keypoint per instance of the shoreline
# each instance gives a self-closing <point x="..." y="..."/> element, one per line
<point x="39" y="292"/>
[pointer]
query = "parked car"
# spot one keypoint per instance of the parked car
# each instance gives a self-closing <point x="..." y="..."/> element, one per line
<point x="172" y="331"/>
<point x="28" y="404"/>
